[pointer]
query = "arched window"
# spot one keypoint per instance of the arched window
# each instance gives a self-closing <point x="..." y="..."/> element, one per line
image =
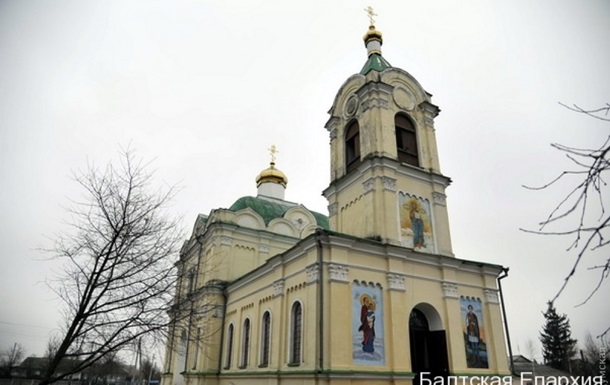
<point x="265" y="338"/>
<point x="229" y="346"/>
<point x="406" y="140"/>
<point x="245" y="347"/>
<point x="296" y="330"/>
<point x="352" y="146"/>
<point x="191" y="283"/>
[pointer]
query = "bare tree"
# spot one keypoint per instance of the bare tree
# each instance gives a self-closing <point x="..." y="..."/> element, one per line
<point x="52" y="346"/>
<point x="10" y="358"/>
<point x="149" y="371"/>
<point x="118" y="277"/>
<point x="530" y="348"/>
<point x="585" y="202"/>
<point x="594" y="358"/>
<point x="103" y="371"/>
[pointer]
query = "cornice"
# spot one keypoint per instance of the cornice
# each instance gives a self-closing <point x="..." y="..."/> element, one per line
<point x="378" y="165"/>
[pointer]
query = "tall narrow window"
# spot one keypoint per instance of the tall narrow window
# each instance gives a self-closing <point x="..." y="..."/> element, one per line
<point x="245" y="348"/>
<point x="191" y="283"/>
<point x="352" y="146"/>
<point x="229" y="347"/>
<point x="406" y="140"/>
<point x="265" y="338"/>
<point x="296" y="333"/>
<point x="198" y="346"/>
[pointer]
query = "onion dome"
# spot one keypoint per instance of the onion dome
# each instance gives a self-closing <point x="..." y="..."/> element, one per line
<point x="271" y="175"/>
<point x="373" y="40"/>
<point x="271" y="182"/>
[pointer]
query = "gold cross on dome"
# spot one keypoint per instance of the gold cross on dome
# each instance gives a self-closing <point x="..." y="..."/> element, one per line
<point x="273" y="151"/>
<point x="371" y="13"/>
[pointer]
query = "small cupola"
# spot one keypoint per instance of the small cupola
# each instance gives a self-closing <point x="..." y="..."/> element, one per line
<point x="271" y="182"/>
<point x="373" y="41"/>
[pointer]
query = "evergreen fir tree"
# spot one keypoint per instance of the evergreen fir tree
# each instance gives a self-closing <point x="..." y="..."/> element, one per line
<point x="558" y="346"/>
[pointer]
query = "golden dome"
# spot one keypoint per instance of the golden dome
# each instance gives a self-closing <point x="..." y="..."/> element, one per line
<point x="372" y="34"/>
<point x="271" y="175"/>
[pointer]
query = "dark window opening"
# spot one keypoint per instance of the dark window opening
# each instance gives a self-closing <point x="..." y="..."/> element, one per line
<point x="297" y="319"/>
<point x="406" y="140"/>
<point x="352" y="146"/>
<point x="265" y="336"/>
<point x="246" y="344"/>
<point x="229" y="346"/>
<point x="191" y="283"/>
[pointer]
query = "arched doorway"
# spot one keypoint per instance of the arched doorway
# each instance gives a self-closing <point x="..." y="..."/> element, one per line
<point x="428" y="342"/>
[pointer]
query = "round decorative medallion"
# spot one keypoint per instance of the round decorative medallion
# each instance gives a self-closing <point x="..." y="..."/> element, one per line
<point x="351" y="106"/>
<point x="404" y="98"/>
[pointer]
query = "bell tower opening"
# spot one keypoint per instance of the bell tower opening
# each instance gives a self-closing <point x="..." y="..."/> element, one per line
<point x="352" y="146"/>
<point x="406" y="140"/>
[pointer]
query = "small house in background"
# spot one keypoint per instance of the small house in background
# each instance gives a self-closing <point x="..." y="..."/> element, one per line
<point x="34" y="368"/>
<point x="530" y="369"/>
<point x="107" y="373"/>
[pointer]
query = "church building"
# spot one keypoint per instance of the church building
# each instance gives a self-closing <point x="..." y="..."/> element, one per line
<point x="273" y="293"/>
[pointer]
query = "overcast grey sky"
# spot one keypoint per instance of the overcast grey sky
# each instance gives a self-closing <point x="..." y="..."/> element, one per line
<point x="205" y="87"/>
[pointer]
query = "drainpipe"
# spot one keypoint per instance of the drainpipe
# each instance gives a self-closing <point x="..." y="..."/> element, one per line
<point x="510" y="349"/>
<point x="320" y="305"/>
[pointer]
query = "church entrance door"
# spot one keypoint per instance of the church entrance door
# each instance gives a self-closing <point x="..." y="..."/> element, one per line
<point x="428" y="347"/>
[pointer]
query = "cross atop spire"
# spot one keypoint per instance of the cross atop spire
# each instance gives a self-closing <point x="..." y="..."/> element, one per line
<point x="372" y="42"/>
<point x="371" y="13"/>
<point x="273" y="151"/>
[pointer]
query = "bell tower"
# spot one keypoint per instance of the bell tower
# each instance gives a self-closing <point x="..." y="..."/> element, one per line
<point x="386" y="182"/>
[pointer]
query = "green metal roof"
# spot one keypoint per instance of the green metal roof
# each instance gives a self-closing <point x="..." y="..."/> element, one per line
<point x="269" y="210"/>
<point x="321" y="220"/>
<point x="375" y="62"/>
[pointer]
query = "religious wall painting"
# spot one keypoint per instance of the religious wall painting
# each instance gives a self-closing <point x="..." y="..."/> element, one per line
<point x="475" y="341"/>
<point x="367" y="324"/>
<point x="415" y="222"/>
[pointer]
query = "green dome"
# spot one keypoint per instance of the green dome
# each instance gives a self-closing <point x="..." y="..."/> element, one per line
<point x="270" y="210"/>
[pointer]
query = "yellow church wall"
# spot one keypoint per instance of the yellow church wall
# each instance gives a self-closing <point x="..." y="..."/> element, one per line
<point x="454" y="334"/>
<point x="368" y="262"/>
<point x="369" y="205"/>
<point x="496" y="333"/>
<point x="423" y="285"/>
<point x="221" y="256"/>
<point x="475" y="282"/>
<point x="399" y="354"/>
<point x="339" y="331"/>
<point x="231" y="253"/>
<point x="251" y="304"/>
<point x="354" y="201"/>
<point x="253" y="299"/>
